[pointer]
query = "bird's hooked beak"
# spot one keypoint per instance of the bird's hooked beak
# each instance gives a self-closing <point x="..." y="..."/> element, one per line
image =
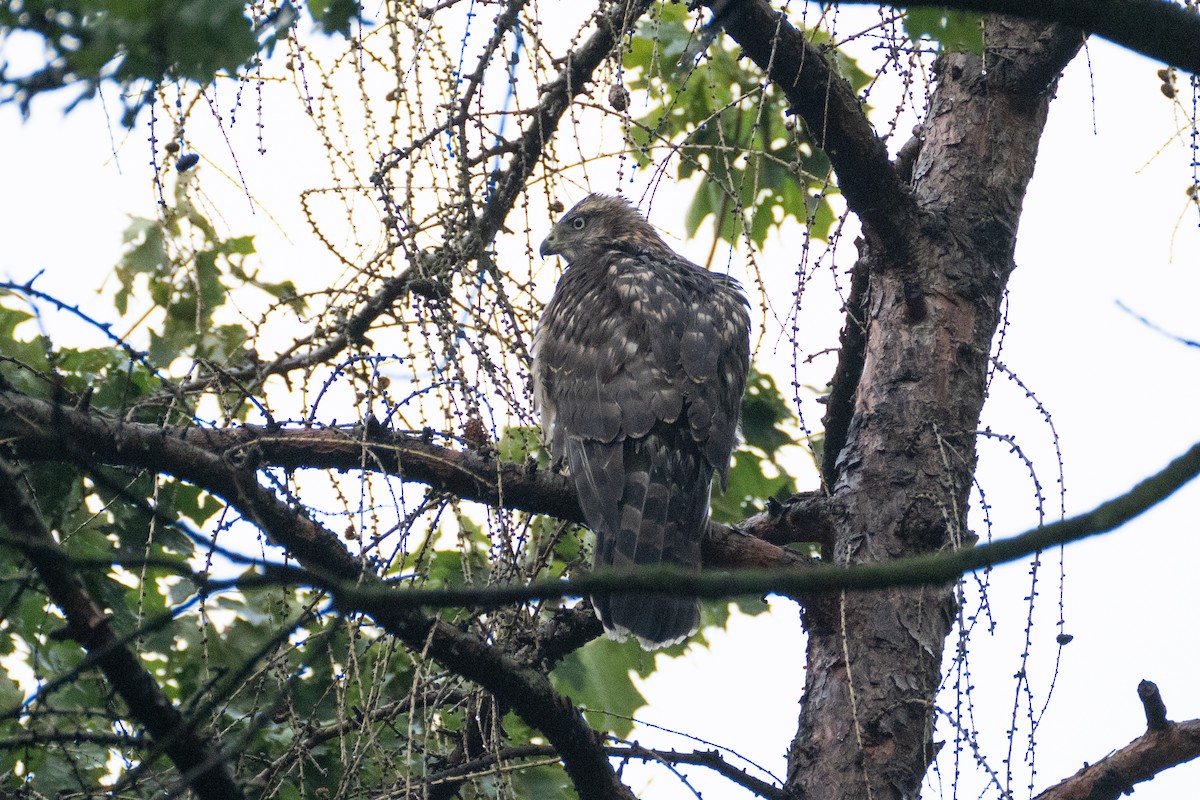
<point x="549" y="246"/>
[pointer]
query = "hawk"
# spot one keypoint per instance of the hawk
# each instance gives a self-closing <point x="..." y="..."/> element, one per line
<point x="639" y="364"/>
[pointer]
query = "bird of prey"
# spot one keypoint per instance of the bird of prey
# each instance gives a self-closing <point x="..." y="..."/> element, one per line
<point x="639" y="364"/>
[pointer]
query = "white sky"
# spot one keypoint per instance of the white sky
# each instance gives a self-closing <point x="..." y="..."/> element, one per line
<point x="1106" y="220"/>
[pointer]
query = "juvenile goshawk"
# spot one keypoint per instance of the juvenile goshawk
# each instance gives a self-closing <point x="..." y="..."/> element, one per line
<point x="640" y="361"/>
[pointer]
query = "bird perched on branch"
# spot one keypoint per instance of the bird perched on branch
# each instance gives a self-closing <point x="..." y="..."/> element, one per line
<point x="640" y="361"/>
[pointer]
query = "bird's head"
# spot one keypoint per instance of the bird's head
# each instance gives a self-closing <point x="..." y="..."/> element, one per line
<point x="598" y="223"/>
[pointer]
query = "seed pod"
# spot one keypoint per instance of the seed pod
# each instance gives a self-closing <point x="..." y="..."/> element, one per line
<point x="618" y="97"/>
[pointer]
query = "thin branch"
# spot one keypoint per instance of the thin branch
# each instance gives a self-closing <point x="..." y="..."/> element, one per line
<point x="89" y="626"/>
<point x="302" y="748"/>
<point x="1157" y="328"/>
<point x="1157" y="750"/>
<point x="46" y="738"/>
<point x="704" y="758"/>
<point x="935" y="568"/>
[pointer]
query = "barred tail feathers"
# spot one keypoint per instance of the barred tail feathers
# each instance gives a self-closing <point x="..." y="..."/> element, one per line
<point x="646" y="499"/>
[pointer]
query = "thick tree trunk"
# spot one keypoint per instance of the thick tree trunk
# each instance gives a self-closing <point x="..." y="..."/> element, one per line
<point x="928" y="307"/>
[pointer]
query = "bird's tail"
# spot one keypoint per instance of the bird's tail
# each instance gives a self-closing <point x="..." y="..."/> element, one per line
<point x="647" y="501"/>
<point x="654" y="620"/>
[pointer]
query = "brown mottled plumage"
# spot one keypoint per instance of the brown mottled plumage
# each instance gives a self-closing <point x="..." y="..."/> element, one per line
<point x="640" y="361"/>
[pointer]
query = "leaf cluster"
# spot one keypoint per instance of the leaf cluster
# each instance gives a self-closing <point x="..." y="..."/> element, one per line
<point x="140" y="43"/>
<point x="720" y="119"/>
<point x="187" y="270"/>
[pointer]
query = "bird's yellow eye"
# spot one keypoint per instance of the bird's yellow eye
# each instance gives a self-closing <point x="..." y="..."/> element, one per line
<point x="578" y="223"/>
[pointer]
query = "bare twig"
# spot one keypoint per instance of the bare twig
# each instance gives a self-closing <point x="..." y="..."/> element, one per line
<point x="1152" y="703"/>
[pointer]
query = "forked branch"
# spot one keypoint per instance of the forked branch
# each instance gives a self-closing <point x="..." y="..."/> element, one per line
<point x="1165" y="744"/>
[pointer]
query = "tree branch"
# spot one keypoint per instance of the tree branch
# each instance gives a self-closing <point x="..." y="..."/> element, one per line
<point x="1153" y="705"/>
<point x="1164" y="745"/>
<point x="843" y="386"/>
<point x="1156" y="28"/>
<point x="150" y="447"/>
<point x="88" y="625"/>
<point x="40" y="430"/>
<point x="935" y="568"/>
<point x="81" y="434"/>
<point x="705" y="758"/>
<point x="833" y="115"/>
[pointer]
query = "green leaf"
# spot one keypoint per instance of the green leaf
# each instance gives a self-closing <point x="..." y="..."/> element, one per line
<point x="334" y="16"/>
<point x="749" y="487"/>
<point x="764" y="409"/>
<point x="545" y="781"/>
<point x="10" y="318"/>
<point x="239" y="245"/>
<point x="518" y="443"/>
<point x="956" y="31"/>
<point x="10" y="693"/>
<point x="597" y="677"/>
<point x="716" y="613"/>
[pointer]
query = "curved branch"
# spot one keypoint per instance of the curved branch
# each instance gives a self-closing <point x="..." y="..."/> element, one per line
<point x="930" y="569"/>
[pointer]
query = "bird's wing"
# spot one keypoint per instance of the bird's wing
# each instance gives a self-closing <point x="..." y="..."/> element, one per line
<point x="601" y="373"/>
<point x="622" y="355"/>
<point x="715" y="355"/>
<point x="703" y="324"/>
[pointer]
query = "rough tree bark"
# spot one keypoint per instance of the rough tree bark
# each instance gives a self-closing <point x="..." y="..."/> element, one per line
<point x="928" y="309"/>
